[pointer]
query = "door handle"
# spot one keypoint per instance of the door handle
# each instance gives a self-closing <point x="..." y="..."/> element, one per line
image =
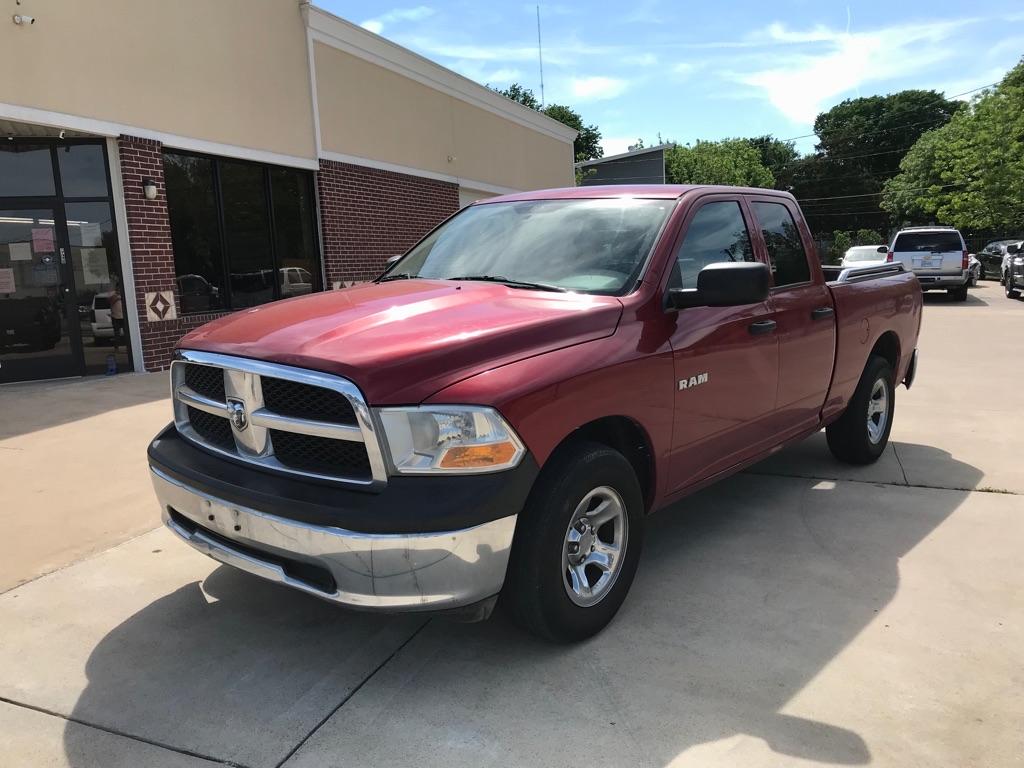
<point x="821" y="313"/>
<point x="762" y="326"/>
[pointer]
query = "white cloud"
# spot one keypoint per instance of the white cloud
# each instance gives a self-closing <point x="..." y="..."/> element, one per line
<point x="683" y="69"/>
<point x="616" y="145"/>
<point x="597" y="87"/>
<point x="641" y="60"/>
<point x="377" y="24"/>
<point x="801" y="84"/>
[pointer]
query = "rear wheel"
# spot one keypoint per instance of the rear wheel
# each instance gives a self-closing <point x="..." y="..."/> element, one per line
<point x="860" y="435"/>
<point x="1011" y="291"/>
<point x="577" y="544"/>
<point x="958" y="294"/>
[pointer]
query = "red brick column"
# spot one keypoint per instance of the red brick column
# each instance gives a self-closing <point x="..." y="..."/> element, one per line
<point x="368" y="215"/>
<point x="149" y="237"/>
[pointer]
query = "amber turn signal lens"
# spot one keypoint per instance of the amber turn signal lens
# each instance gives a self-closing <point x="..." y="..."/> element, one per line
<point x="476" y="456"/>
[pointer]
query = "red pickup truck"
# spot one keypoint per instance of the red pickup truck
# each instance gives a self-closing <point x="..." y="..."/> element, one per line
<point x="499" y="411"/>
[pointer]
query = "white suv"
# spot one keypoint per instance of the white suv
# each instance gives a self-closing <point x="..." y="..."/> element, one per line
<point x="937" y="255"/>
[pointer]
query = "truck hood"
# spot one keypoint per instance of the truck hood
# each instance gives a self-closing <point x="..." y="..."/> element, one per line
<point x="404" y="340"/>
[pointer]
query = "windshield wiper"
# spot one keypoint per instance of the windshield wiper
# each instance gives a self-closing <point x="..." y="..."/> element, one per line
<point x="396" y="276"/>
<point x="512" y="283"/>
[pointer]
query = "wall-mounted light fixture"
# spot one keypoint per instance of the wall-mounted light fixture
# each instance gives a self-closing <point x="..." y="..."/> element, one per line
<point x="149" y="187"/>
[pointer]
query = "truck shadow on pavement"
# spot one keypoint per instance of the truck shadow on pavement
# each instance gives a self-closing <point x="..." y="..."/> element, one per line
<point x="746" y="592"/>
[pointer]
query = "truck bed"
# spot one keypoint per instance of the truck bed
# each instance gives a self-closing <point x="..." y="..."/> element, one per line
<point x="868" y="301"/>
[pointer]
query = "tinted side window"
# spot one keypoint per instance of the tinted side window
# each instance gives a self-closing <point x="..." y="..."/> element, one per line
<point x="785" y="248"/>
<point x="716" y="233"/>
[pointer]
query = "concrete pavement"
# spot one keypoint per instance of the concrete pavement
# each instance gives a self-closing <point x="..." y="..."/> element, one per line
<point x="72" y="459"/>
<point x="801" y="613"/>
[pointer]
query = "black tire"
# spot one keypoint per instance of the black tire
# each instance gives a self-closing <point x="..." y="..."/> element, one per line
<point x="535" y="592"/>
<point x="958" y="294"/>
<point x="848" y="437"/>
<point x="1011" y="292"/>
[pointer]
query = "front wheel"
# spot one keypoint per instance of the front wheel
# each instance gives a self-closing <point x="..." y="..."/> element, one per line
<point x="860" y="435"/>
<point x="577" y="544"/>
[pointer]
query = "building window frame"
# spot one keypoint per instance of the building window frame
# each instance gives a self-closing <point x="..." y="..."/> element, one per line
<point x="268" y="193"/>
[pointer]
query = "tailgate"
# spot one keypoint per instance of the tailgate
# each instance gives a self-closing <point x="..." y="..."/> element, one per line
<point x="929" y="252"/>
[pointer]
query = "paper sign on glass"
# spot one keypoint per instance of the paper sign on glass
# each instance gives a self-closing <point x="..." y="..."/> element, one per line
<point x="94" y="266"/>
<point x="42" y="239"/>
<point x="20" y="251"/>
<point x="91" y="234"/>
<point x="7" y="281"/>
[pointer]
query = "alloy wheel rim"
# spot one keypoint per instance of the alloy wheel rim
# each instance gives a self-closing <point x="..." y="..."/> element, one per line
<point x="878" y="410"/>
<point x="595" y="546"/>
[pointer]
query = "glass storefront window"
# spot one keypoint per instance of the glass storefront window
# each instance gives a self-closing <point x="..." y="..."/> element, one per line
<point x="25" y="170"/>
<point x="195" y="232"/>
<point x="247" y="234"/>
<point x="294" y="217"/>
<point x="83" y="171"/>
<point x="235" y="246"/>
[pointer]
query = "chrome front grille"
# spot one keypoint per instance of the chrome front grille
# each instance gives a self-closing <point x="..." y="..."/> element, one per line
<point x="277" y="416"/>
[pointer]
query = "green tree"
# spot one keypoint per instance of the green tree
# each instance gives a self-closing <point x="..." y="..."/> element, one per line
<point x="841" y="243"/>
<point x="518" y="93"/>
<point x="588" y="137"/>
<point x="587" y="145"/>
<point x="732" y="161"/>
<point x="968" y="172"/>
<point x="879" y="130"/>
<point x="867" y="237"/>
<point x="860" y="145"/>
<point x="778" y="157"/>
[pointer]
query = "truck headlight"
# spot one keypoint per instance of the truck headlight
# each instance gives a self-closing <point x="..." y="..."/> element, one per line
<point x="449" y="438"/>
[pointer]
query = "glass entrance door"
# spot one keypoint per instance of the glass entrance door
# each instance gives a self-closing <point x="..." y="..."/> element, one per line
<point x="39" y="315"/>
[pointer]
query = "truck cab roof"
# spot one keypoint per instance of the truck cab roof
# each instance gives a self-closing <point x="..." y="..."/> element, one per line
<point x="653" y="191"/>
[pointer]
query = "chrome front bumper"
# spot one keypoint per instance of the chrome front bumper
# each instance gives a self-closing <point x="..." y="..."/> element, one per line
<point x="384" y="572"/>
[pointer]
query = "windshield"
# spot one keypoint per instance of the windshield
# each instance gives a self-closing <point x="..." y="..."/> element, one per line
<point x="590" y="246"/>
<point x="864" y="253"/>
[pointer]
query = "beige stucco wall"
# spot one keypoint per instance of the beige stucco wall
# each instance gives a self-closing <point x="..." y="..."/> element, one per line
<point x="227" y="71"/>
<point x="369" y="111"/>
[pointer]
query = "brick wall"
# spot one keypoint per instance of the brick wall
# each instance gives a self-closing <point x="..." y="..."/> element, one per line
<point x="149" y="237"/>
<point x="368" y="215"/>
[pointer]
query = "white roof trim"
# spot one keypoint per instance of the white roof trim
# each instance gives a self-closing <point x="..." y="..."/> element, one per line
<point x="632" y="153"/>
<point x="174" y="141"/>
<point x="351" y="38"/>
<point x="380" y="165"/>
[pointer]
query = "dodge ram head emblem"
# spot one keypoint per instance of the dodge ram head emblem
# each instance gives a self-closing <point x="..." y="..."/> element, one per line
<point x="237" y="414"/>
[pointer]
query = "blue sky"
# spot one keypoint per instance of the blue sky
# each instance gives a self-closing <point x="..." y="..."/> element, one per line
<point x="708" y="70"/>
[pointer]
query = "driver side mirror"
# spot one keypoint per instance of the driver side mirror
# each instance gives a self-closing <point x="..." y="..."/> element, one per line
<point x="882" y="249"/>
<point x="724" y="284"/>
<point x="389" y="264"/>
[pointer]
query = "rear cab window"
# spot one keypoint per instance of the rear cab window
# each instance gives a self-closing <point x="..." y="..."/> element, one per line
<point x="927" y="242"/>
<point x="786" y="253"/>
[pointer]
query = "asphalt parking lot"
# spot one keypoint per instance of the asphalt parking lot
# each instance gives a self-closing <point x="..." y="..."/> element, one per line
<point x="801" y="613"/>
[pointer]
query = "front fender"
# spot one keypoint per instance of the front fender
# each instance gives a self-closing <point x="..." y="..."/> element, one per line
<point x="547" y="397"/>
